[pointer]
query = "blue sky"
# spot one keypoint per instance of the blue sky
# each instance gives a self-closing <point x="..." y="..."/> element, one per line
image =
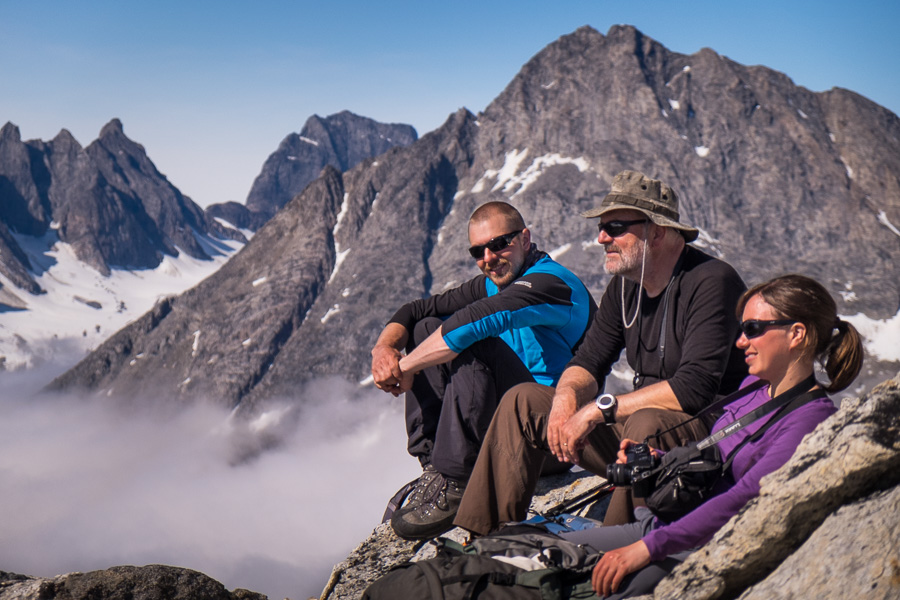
<point x="211" y="88"/>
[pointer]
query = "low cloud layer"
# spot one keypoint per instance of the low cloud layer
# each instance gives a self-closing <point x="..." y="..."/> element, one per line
<point x="269" y="504"/>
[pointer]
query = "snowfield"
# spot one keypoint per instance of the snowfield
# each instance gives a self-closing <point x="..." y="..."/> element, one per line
<point x="81" y="308"/>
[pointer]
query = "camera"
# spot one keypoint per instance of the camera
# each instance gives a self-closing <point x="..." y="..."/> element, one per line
<point x="639" y="470"/>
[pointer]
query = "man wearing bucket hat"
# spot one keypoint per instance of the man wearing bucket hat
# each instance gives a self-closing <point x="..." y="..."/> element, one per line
<point x="671" y="308"/>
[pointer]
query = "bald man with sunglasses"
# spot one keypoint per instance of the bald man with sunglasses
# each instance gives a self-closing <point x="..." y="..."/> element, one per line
<point x="671" y="308"/>
<point x="519" y="321"/>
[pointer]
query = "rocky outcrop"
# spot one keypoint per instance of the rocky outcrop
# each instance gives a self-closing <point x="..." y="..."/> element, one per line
<point x="824" y="525"/>
<point x="383" y="549"/>
<point x="778" y="178"/>
<point x="23" y="184"/>
<point x="152" y="582"/>
<point x="14" y="263"/>
<point x="237" y="215"/>
<point x="823" y="568"/>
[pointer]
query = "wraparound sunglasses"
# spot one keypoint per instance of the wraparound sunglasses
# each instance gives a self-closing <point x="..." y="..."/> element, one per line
<point x="617" y="228"/>
<point x="494" y="244"/>
<point x="755" y="327"/>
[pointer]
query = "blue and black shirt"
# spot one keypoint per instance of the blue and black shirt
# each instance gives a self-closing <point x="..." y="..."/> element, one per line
<point x="542" y="315"/>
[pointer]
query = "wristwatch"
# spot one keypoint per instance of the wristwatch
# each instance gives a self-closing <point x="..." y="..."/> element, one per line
<point x="607" y="405"/>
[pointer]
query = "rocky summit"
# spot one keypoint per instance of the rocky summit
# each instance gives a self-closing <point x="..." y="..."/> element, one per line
<point x="778" y="178"/>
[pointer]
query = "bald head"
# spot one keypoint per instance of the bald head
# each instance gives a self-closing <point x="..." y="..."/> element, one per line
<point x="511" y="216"/>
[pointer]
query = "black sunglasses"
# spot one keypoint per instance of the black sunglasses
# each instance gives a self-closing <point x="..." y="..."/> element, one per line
<point x="755" y="327"/>
<point x="494" y="245"/>
<point x="617" y="228"/>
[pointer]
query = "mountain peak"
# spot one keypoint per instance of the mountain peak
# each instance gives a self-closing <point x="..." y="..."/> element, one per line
<point x="114" y="127"/>
<point x="770" y="172"/>
<point x="10" y="133"/>
<point x="341" y="140"/>
<point x="65" y="139"/>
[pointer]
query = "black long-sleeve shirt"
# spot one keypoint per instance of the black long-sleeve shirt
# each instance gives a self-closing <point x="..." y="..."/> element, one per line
<point x="699" y="358"/>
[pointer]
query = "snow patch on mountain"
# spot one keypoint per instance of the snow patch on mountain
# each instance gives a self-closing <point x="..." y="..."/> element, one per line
<point x="81" y="308"/>
<point x="879" y="335"/>
<point x="511" y="179"/>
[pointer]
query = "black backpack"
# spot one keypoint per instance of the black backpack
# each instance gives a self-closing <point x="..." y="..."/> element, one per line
<point x="493" y="567"/>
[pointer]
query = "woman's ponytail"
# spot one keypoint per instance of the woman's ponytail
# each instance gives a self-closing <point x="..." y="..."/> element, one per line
<point x="843" y="356"/>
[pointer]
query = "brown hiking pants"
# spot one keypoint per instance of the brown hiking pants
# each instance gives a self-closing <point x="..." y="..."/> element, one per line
<point x="513" y="452"/>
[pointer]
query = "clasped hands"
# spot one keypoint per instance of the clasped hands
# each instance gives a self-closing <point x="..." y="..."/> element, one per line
<point x="386" y="372"/>
<point x="567" y="428"/>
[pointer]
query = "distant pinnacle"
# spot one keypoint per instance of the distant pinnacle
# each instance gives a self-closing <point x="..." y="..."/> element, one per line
<point x="10" y="132"/>
<point x="111" y="128"/>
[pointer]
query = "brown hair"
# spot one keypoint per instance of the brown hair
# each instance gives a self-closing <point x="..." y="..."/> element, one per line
<point x="835" y="343"/>
<point x="513" y="218"/>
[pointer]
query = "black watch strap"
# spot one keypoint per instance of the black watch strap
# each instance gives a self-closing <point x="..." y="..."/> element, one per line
<point x="607" y="404"/>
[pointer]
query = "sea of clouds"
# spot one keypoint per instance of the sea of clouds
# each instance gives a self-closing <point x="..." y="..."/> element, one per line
<point x="268" y="504"/>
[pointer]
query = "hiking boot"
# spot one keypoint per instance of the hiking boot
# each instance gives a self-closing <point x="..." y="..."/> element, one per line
<point x="434" y="515"/>
<point x="422" y="490"/>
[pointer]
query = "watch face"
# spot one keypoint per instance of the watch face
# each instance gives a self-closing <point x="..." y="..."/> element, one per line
<point x="606" y="401"/>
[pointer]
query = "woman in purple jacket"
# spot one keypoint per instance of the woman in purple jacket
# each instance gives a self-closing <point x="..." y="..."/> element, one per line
<point x="788" y="324"/>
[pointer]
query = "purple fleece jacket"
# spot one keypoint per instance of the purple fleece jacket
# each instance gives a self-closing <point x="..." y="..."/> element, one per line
<point x="754" y="461"/>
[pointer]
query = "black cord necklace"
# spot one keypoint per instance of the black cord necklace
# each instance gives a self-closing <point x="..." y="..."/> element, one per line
<point x="639" y="376"/>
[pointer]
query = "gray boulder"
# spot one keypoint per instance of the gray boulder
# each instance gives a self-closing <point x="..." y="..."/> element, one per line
<point x="823" y="567"/>
<point x="153" y="582"/>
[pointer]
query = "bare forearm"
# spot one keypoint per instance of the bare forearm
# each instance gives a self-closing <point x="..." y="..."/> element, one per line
<point x="576" y="387"/>
<point x="656" y="395"/>
<point x="567" y="429"/>
<point x="432" y="351"/>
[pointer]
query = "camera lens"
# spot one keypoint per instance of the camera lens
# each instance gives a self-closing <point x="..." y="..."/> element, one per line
<point x="618" y="474"/>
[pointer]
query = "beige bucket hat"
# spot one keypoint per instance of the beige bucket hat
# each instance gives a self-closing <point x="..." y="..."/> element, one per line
<point x="636" y="191"/>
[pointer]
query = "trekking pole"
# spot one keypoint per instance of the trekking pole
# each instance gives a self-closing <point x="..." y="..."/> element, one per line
<point x="581" y="499"/>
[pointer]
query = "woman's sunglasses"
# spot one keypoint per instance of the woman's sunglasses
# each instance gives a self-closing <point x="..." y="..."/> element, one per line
<point x="617" y="228"/>
<point x="755" y="327"/>
<point x="494" y="245"/>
